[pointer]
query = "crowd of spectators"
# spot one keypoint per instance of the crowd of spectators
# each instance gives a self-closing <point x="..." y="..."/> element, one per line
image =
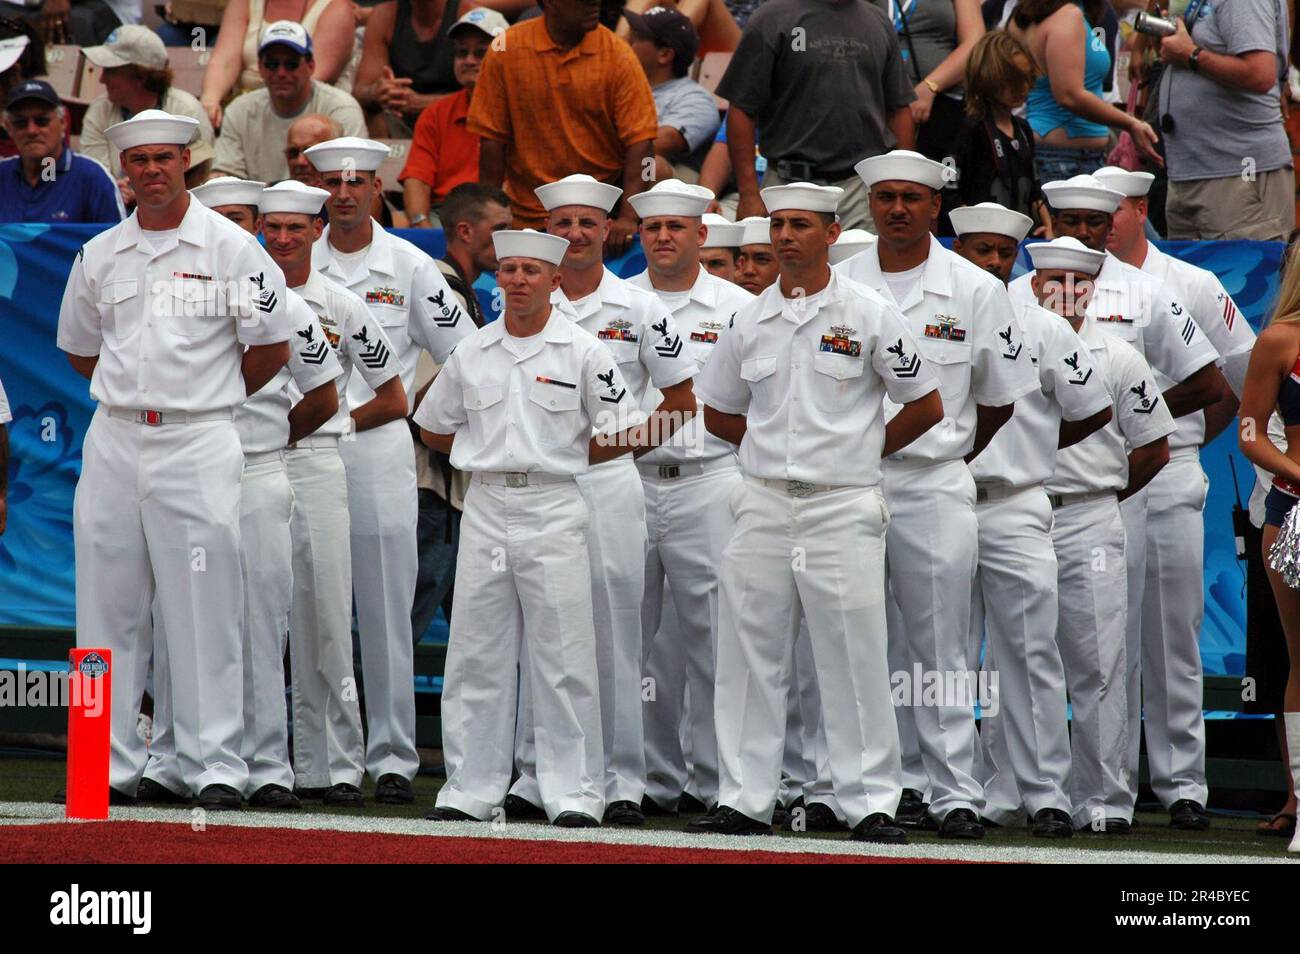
<point x="511" y="94"/>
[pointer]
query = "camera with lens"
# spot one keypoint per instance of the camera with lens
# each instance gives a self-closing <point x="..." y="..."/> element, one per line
<point x="1152" y="25"/>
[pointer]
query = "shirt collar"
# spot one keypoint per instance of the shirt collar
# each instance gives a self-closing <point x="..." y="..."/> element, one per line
<point x="379" y="254"/>
<point x="558" y="330"/>
<point x="610" y="291"/>
<point x="313" y="289"/>
<point x="936" y="278"/>
<point x="772" y="303"/>
<point x="192" y="230"/>
<point x="587" y="47"/>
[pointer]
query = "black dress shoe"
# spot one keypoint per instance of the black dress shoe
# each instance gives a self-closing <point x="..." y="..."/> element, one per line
<point x="818" y="817"/>
<point x="1111" y="826"/>
<point x="521" y="809"/>
<point x="690" y="805"/>
<point x="575" y="820"/>
<point x="782" y="814"/>
<point x="220" y="798"/>
<point x="156" y="793"/>
<point x="1187" y="815"/>
<point x="879" y="829"/>
<point x="1052" y="823"/>
<point x="961" y="823"/>
<point x="392" y="789"/>
<point x="345" y="795"/>
<point x="913" y="811"/>
<point x="652" y="809"/>
<point x="445" y="813"/>
<point x="728" y="821"/>
<point x="274" y="796"/>
<point x="624" y="813"/>
<point x="309" y="794"/>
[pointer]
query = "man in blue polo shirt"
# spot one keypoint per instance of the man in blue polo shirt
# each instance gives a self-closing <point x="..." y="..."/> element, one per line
<point x="47" y="181"/>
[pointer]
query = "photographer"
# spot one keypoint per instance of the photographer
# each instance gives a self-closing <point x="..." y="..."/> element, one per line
<point x="1229" y="161"/>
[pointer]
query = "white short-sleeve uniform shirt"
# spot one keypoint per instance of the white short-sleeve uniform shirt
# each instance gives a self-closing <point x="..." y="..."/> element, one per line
<point x="811" y="376"/>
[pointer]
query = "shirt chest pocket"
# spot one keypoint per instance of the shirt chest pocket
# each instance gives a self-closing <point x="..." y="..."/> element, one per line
<point x="190" y="308"/>
<point x="838" y="380"/>
<point x="394" y="321"/>
<point x="951" y="362"/>
<point x="624" y="352"/>
<point x="118" y="309"/>
<point x="760" y="374"/>
<point x="556" y="417"/>
<point x="483" y="407"/>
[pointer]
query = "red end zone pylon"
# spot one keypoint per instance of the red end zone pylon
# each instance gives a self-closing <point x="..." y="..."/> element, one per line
<point x="90" y="707"/>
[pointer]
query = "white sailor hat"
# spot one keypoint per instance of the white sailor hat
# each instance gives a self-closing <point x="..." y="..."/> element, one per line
<point x="804" y="196"/>
<point x="293" y="196"/>
<point x="151" y="127"/>
<point x="578" y="189"/>
<point x="227" y="190"/>
<point x="850" y="242"/>
<point x="722" y="234"/>
<point x="757" y="230"/>
<point x="1067" y="253"/>
<point x="347" y="152"/>
<point x="991" y="217"/>
<point x="1081" y="192"/>
<point x="1132" y="184"/>
<point x="529" y="243"/>
<point x="11" y="49"/>
<point x="672" y="197"/>
<point x="904" y="165"/>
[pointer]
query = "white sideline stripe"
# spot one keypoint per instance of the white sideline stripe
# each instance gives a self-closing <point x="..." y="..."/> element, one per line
<point x="26" y="813"/>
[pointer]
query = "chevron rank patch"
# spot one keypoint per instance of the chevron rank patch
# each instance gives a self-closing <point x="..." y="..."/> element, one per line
<point x="1229" y="310"/>
<point x="1145" y="404"/>
<point x="904" y="366"/>
<point x="265" y="300"/>
<point x="374" y="354"/>
<point x="1077" y="375"/>
<point x="385" y="296"/>
<point x="312" y="351"/>
<point x="450" y="313"/>
<point x="669" y="346"/>
<point x="1011" y="347"/>
<point x="615" y="392"/>
<point x="835" y="344"/>
<point x="1189" y="330"/>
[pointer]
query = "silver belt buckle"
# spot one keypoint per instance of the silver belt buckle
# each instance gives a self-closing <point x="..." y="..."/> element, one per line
<point x="799" y="488"/>
<point x="981" y="494"/>
<point x="669" y="471"/>
<point x="516" y="480"/>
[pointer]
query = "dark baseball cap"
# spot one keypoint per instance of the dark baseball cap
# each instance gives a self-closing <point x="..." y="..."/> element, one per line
<point x="668" y="28"/>
<point x="32" y="89"/>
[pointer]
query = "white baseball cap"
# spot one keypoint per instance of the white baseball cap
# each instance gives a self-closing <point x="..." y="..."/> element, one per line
<point x="1132" y="184"/>
<point x="293" y="196"/>
<point x="130" y="45"/>
<point x="578" y="189"/>
<point x="804" y="196"/>
<point x="486" y="21"/>
<point x="1081" y="192"/>
<point x="905" y="165"/>
<point x="347" y="152"/>
<point x="11" y="50"/>
<point x="990" y="217"/>
<point x="1067" y="253"/>
<point x="288" y="33"/>
<point x="672" y="197"/>
<point x="529" y="243"/>
<point x="227" y="190"/>
<point x="757" y="230"/>
<point x="152" y="127"/>
<point x="722" y="233"/>
<point x="850" y="242"/>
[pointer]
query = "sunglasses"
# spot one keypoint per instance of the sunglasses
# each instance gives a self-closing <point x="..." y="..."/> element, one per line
<point x="273" y="63"/>
<point x="40" y="121"/>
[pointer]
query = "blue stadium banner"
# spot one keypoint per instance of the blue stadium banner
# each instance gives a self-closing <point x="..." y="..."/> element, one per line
<point x="52" y="409"/>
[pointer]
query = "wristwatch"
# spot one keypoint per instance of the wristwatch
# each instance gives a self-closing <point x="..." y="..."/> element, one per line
<point x="1192" y="58"/>
<point x="419" y="219"/>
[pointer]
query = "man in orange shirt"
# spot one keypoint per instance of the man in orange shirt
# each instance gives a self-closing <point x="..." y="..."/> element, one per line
<point x="443" y="152"/>
<point x="559" y="95"/>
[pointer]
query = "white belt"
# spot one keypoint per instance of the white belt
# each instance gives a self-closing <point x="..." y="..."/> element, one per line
<point x="802" y="488"/>
<point x="1191" y="450"/>
<point x="690" y="468"/>
<point x="265" y="457"/>
<point x="316" y="442"/>
<point x="520" y="478"/>
<point x="159" y="418"/>
<point x="990" y="491"/>
<point x="1065" y="500"/>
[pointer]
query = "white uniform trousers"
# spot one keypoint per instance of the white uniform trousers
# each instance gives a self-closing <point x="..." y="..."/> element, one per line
<point x="157" y="511"/>
<point x="688" y="523"/>
<point x="384" y="509"/>
<point x="1173" y="606"/>
<point x="328" y="747"/>
<point x="802" y="724"/>
<point x="1002" y="800"/>
<point x="823" y="554"/>
<point x="1015" y="608"/>
<point x="933" y="540"/>
<point x="522" y="591"/>
<point x="1134" y="512"/>
<point x="1093" y="590"/>
<point x="617" y="544"/>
